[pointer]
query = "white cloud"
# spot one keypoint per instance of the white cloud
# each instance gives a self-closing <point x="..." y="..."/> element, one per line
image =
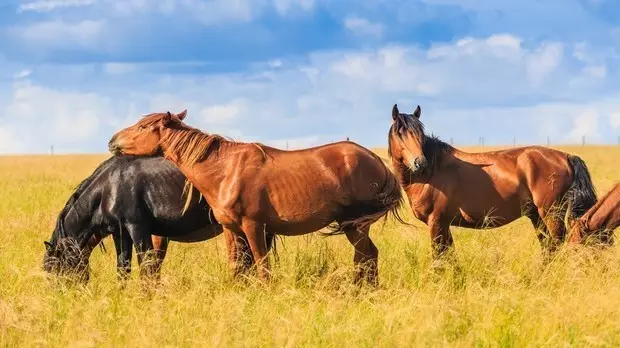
<point x="362" y="26"/>
<point x="466" y="89"/>
<point x="58" y="33"/>
<point x="22" y="74"/>
<point x="284" y="6"/>
<point x="50" y="5"/>
<point x="614" y="120"/>
<point x="40" y="117"/>
<point x="543" y="62"/>
<point x="119" y="68"/>
<point x="223" y="113"/>
<point x="584" y="124"/>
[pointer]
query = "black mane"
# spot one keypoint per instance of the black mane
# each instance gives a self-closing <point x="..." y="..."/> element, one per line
<point x="433" y="148"/>
<point x="75" y="195"/>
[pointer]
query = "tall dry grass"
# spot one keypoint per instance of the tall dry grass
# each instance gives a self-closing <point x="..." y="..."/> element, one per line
<point x="501" y="294"/>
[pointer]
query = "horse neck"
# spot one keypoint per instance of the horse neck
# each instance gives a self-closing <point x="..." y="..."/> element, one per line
<point x="211" y="168"/>
<point x="72" y="224"/>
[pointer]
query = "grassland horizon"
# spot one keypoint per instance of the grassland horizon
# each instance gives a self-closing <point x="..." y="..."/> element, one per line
<point x="498" y="294"/>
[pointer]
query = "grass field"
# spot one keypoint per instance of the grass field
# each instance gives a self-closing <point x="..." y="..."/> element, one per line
<point x="501" y="295"/>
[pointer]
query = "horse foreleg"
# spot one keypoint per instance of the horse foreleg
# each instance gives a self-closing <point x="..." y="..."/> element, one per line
<point x="441" y="238"/>
<point x="257" y="239"/>
<point x="124" y="247"/>
<point x="366" y="256"/>
<point x="239" y="255"/>
<point x="160" y="246"/>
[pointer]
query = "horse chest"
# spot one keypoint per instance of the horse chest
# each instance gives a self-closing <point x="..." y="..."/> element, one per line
<point x="421" y="199"/>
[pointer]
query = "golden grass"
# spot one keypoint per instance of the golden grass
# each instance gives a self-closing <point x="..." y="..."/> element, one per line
<point x="500" y="295"/>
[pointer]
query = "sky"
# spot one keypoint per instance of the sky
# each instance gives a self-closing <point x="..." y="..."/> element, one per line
<point x="300" y="73"/>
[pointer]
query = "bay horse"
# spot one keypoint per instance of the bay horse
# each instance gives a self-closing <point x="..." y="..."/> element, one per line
<point x="599" y="222"/>
<point x="137" y="200"/>
<point x="253" y="188"/>
<point x="449" y="187"/>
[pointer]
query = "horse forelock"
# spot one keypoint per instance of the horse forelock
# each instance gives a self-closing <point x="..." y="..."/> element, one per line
<point x="403" y="124"/>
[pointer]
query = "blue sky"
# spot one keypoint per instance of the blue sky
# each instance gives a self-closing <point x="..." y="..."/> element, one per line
<point x="306" y="72"/>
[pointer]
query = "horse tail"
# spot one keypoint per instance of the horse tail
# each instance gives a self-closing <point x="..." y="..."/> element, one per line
<point x="581" y="195"/>
<point x="388" y="201"/>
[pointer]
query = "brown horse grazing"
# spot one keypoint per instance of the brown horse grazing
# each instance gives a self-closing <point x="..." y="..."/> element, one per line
<point x="448" y="187"/>
<point x="598" y="222"/>
<point x="253" y="188"/>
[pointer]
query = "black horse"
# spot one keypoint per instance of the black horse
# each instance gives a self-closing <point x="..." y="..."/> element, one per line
<point x="137" y="200"/>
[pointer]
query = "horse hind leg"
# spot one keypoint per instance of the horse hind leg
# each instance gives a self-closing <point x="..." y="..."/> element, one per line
<point x="552" y="218"/>
<point x="143" y="244"/>
<point x="541" y="229"/>
<point x="160" y="246"/>
<point x="365" y="257"/>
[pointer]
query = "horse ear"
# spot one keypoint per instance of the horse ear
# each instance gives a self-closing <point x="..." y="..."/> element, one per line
<point x="167" y="118"/>
<point x="395" y="112"/>
<point x="48" y="246"/>
<point x="181" y="115"/>
<point x="418" y="112"/>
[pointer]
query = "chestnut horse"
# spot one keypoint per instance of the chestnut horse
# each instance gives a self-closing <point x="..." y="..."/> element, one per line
<point x="253" y="188"/>
<point x="448" y="187"/>
<point x="600" y="221"/>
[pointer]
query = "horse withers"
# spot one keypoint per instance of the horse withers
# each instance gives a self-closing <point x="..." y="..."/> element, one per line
<point x="449" y="187"/>
<point x="254" y="188"/>
<point x="597" y="225"/>
<point x="137" y="200"/>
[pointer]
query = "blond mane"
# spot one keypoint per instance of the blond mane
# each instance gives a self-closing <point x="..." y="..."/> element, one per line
<point x="191" y="146"/>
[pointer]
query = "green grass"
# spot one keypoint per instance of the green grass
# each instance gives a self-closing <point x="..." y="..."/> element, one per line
<point x="500" y="294"/>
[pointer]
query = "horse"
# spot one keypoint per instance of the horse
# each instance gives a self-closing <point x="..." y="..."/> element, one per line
<point x="599" y="222"/>
<point x="449" y="187"/>
<point x="253" y="188"/>
<point x="137" y="200"/>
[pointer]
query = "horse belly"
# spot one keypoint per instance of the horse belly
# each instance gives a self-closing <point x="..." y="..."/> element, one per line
<point x="301" y="226"/>
<point x="488" y="213"/>
<point x="205" y="233"/>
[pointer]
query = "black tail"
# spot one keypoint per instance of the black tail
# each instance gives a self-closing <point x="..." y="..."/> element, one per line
<point x="581" y="195"/>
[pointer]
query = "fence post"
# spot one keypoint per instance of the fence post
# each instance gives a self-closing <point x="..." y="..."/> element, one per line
<point x="583" y="140"/>
<point x="52" y="150"/>
<point x="548" y="141"/>
<point x="287" y="144"/>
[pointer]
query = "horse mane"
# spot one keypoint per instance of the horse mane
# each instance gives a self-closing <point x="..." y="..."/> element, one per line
<point x="75" y="195"/>
<point x="191" y="146"/>
<point x="433" y="148"/>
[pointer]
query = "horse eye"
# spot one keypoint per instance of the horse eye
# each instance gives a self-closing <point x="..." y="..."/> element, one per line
<point x="142" y="127"/>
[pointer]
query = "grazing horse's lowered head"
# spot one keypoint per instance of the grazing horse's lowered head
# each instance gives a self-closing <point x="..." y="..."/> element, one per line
<point x="65" y="257"/>
<point x="408" y="131"/>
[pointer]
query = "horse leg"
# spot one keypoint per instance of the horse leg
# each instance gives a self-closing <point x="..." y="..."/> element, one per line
<point x="143" y="243"/>
<point x="240" y="257"/>
<point x="540" y="227"/>
<point x="365" y="257"/>
<point x="123" y="246"/>
<point x="555" y="226"/>
<point x="441" y="238"/>
<point x="257" y="239"/>
<point x="160" y="245"/>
